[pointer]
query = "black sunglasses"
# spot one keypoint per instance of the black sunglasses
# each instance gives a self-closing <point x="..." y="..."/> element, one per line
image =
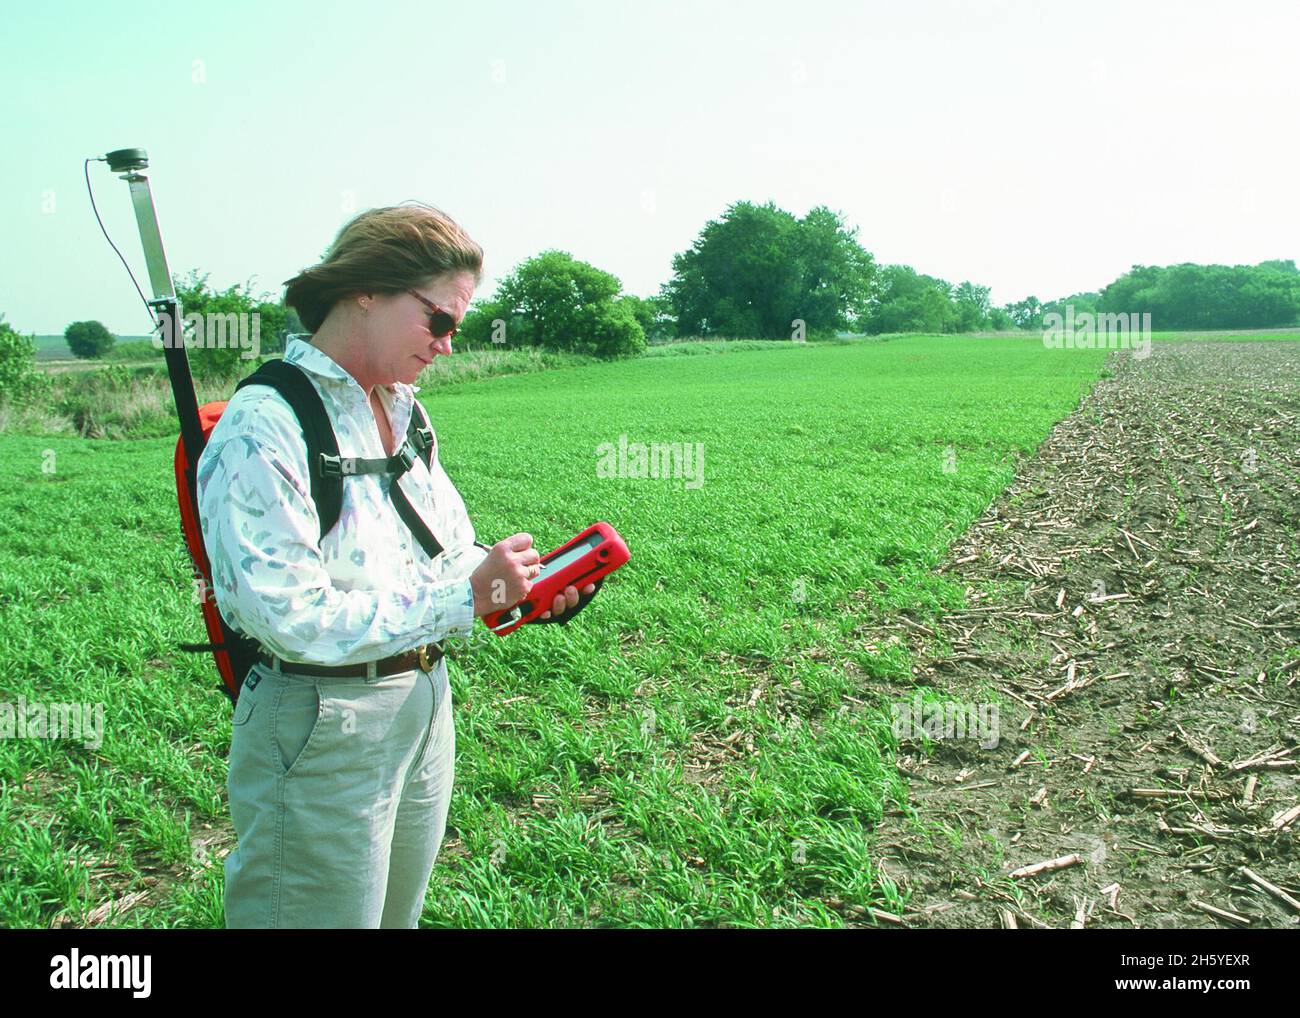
<point x="441" y="323"/>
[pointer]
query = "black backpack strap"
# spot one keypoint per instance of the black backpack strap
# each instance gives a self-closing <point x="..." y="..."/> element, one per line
<point x="419" y="442"/>
<point x="345" y="466"/>
<point x="327" y="468"/>
<point x="419" y="432"/>
<point x="322" y="447"/>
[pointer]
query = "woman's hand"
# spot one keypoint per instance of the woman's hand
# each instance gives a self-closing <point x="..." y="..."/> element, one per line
<point x="504" y="578"/>
<point x="569" y="599"/>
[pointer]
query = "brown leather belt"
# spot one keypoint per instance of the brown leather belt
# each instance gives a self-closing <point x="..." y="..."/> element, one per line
<point x="422" y="657"/>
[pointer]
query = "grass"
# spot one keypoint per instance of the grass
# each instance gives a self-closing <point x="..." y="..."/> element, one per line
<point x="1228" y="335"/>
<point x="683" y="755"/>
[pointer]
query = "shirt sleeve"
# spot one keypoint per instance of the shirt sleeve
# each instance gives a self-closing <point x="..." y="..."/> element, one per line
<point x="261" y="533"/>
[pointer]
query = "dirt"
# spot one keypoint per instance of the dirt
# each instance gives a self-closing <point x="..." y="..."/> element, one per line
<point x="1132" y="609"/>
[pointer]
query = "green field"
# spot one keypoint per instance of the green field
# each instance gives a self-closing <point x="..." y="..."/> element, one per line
<point x="693" y="750"/>
<point x="55" y="348"/>
<point x="49" y="347"/>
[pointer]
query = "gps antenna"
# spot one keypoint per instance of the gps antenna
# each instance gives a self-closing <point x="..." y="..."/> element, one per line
<point x="128" y="162"/>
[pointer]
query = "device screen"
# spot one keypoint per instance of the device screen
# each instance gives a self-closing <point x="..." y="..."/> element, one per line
<point x="551" y="566"/>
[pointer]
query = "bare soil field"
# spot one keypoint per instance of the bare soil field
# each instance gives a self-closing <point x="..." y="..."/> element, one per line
<point x="1133" y="599"/>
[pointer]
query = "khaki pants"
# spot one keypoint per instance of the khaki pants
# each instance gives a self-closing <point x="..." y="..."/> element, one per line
<point x="339" y="790"/>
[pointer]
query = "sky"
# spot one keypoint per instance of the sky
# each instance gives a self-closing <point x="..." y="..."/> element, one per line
<point x="1035" y="148"/>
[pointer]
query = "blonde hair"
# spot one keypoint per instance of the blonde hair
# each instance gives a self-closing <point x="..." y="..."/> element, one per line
<point x="387" y="250"/>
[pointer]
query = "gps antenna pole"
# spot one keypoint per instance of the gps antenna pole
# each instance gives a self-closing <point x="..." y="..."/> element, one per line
<point x="129" y="162"/>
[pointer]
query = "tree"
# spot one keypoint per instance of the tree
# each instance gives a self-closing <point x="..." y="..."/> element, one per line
<point x="88" y="340"/>
<point x="999" y="320"/>
<point x="740" y="277"/>
<point x="1138" y="290"/>
<point x="559" y="303"/>
<point x="1082" y="303"/>
<point x="1026" y="314"/>
<point x="971" y="307"/>
<point x="1190" y="296"/>
<point x="758" y="270"/>
<point x="906" y="301"/>
<point x="653" y="314"/>
<point x="838" y="272"/>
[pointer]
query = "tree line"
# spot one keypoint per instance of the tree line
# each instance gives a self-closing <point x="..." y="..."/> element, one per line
<point x="759" y="271"/>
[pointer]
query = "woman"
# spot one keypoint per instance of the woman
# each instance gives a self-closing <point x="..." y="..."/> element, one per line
<point x="342" y="745"/>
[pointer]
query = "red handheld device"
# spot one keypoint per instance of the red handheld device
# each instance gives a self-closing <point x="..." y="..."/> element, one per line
<point x="592" y="555"/>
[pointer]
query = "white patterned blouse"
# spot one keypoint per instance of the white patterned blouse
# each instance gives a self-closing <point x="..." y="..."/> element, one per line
<point x="367" y="589"/>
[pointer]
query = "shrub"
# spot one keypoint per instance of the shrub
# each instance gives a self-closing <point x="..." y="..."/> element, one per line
<point x="611" y="330"/>
<point x="478" y="330"/>
<point x="222" y="355"/>
<point x="17" y="362"/>
<point x="135" y="350"/>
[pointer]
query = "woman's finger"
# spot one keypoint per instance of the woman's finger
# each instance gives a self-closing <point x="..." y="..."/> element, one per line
<point x="569" y="599"/>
